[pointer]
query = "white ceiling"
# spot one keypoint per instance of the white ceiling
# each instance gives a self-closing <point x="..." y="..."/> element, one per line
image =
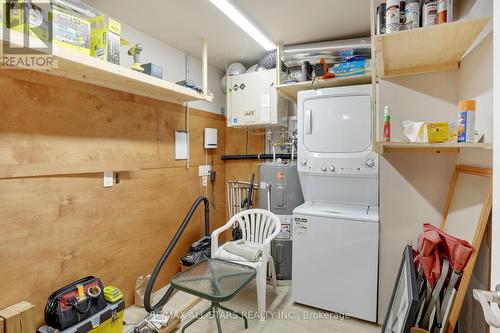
<point x="181" y="23"/>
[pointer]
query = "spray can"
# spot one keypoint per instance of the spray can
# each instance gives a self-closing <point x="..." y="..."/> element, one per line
<point x="402" y="16"/>
<point x="381" y="19"/>
<point x="466" y="121"/>
<point x="412" y="14"/>
<point x="387" y="123"/>
<point x="392" y="16"/>
<point x="429" y="13"/>
<point x="442" y="11"/>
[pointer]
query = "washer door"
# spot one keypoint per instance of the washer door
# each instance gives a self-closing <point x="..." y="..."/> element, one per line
<point x="337" y="124"/>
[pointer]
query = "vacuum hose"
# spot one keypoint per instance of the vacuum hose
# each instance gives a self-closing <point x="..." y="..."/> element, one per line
<point x="149" y="289"/>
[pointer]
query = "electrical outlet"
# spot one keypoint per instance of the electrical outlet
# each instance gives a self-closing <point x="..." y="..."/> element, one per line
<point x="204" y="181"/>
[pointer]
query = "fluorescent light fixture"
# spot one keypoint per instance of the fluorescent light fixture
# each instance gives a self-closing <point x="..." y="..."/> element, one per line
<point x="245" y="24"/>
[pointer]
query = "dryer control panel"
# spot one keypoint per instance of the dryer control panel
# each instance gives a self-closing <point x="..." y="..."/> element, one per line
<point x="363" y="164"/>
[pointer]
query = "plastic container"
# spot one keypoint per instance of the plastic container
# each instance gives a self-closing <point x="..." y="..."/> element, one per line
<point x="466" y="121"/>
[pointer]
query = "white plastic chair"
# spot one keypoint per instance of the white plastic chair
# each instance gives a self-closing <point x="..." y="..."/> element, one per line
<point x="258" y="227"/>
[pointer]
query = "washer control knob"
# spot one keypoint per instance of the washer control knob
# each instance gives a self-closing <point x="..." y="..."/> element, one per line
<point x="323" y="168"/>
<point x="303" y="162"/>
<point x="332" y="168"/>
<point x="370" y="163"/>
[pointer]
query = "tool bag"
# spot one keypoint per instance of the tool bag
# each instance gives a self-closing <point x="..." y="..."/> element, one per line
<point x="64" y="309"/>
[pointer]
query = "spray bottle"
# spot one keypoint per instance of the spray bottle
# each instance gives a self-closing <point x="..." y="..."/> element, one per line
<point x="387" y="124"/>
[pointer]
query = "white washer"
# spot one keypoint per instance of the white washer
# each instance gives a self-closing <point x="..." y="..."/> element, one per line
<point x="335" y="248"/>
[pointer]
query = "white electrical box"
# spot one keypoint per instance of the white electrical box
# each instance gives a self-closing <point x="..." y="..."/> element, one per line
<point x="210" y="138"/>
<point x="252" y="101"/>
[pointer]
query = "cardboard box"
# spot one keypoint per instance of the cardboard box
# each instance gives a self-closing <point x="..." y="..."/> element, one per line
<point x="19" y="318"/>
<point x="71" y="31"/>
<point x="105" y="39"/>
<point x="36" y="18"/>
<point x="437" y="132"/>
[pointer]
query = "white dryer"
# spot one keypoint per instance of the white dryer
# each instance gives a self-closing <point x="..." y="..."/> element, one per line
<point x="335" y="249"/>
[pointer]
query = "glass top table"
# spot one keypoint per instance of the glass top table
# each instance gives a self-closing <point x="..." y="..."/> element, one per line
<point x="214" y="280"/>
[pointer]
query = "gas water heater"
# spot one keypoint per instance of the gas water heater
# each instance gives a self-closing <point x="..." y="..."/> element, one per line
<point x="280" y="192"/>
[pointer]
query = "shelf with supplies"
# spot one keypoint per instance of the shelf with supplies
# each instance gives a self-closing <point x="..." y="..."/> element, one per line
<point x="424" y="50"/>
<point x="291" y="90"/>
<point x="79" y="67"/>
<point x="433" y="148"/>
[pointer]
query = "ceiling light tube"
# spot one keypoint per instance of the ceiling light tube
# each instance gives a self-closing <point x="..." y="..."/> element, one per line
<point x="245" y="24"/>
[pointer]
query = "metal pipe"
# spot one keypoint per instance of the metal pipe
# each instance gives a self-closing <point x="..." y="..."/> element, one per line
<point x="255" y="157"/>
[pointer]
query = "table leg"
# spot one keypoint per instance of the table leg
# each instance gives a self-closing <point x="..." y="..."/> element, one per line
<point x="198" y="316"/>
<point x="236" y="314"/>
<point x="217" y="316"/>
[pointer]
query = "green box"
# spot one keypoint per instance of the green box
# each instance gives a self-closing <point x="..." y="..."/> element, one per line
<point x="23" y="15"/>
<point x="105" y="39"/>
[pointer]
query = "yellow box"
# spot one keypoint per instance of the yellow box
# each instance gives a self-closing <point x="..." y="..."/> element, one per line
<point x="71" y="31"/>
<point x="437" y="132"/>
<point x="105" y="39"/>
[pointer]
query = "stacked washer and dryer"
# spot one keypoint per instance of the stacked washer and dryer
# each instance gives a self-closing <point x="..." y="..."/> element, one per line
<point x="336" y="230"/>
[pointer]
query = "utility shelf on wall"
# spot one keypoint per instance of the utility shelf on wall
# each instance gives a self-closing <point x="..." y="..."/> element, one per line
<point x="291" y="90"/>
<point x="433" y="148"/>
<point x="425" y="50"/>
<point x="79" y="67"/>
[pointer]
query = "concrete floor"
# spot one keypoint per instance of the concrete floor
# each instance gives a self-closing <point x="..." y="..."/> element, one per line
<point x="286" y="316"/>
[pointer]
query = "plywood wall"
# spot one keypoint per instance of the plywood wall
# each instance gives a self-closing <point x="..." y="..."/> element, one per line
<point x="241" y="141"/>
<point x="59" y="227"/>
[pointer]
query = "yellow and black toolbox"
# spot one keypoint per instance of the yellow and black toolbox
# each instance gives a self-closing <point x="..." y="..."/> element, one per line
<point x="108" y="320"/>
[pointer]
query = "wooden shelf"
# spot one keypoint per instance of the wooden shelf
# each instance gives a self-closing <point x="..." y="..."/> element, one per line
<point x="424" y="50"/>
<point x="415" y="147"/>
<point x="290" y="90"/>
<point x="87" y="69"/>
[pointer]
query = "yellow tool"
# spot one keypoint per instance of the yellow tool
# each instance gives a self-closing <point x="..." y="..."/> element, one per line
<point x="81" y="292"/>
<point x="112" y="294"/>
<point x="135" y="52"/>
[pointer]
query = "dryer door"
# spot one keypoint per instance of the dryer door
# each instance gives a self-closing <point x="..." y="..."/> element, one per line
<point x="337" y="124"/>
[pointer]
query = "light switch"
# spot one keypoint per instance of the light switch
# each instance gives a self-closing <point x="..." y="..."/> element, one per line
<point x="108" y="178"/>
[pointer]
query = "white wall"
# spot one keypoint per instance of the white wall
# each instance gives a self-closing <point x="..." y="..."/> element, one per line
<point x="174" y="65"/>
<point x="425" y="97"/>
<point x="495" y="262"/>
<point x="413" y="187"/>
<point x="475" y="81"/>
<point x="413" y="191"/>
